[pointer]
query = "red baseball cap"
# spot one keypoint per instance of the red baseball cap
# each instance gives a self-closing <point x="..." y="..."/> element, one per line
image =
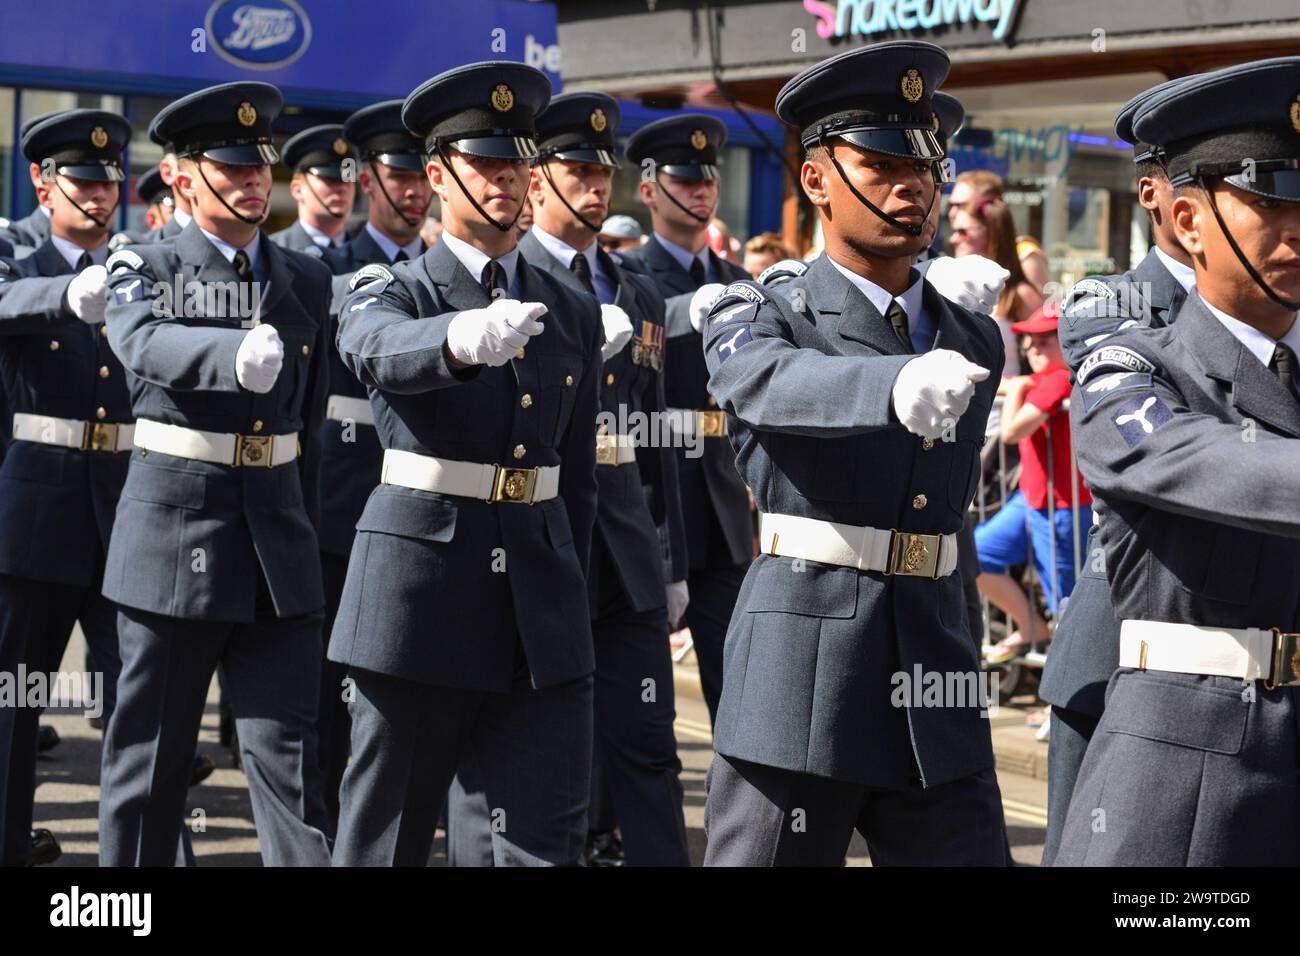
<point x="1043" y="320"/>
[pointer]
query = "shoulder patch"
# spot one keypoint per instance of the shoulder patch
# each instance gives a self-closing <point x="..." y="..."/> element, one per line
<point x="374" y="277"/>
<point x="1090" y="287"/>
<point x="1103" y="385"/>
<point x="120" y="241"/>
<point x="743" y="311"/>
<point x="741" y="291"/>
<point x="1114" y="358"/>
<point x="782" y="271"/>
<point x="732" y="341"/>
<point x="123" y="260"/>
<point x="1141" y="416"/>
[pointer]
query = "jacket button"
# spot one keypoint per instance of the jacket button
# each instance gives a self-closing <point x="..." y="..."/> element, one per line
<point x="927" y="444"/>
<point x="519" y="451"/>
<point x="101" y="413"/>
<point x="103" y="331"/>
<point x="103" y="371"/>
<point x="568" y="380"/>
<point x="920" y="501"/>
<point x="713" y="402"/>
<point x="257" y="426"/>
<point x="520" y="353"/>
<point x="609" y="379"/>
<point x="306" y="350"/>
<point x="526" y="401"/>
<point x="54" y="345"/>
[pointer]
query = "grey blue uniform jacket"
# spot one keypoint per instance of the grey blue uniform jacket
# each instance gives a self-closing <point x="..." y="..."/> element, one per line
<point x="294" y="237"/>
<point x="638" y="508"/>
<point x="712" y="493"/>
<point x="443" y="589"/>
<point x="194" y="536"/>
<point x="1085" y="648"/>
<point x="812" y="653"/>
<point x="30" y="231"/>
<point x="56" y="504"/>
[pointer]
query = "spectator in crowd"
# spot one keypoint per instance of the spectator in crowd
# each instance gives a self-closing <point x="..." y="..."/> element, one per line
<point x="722" y="242"/>
<point x="1023" y="529"/>
<point x="765" y="249"/>
<point x="1033" y="262"/>
<point x="982" y="184"/>
<point x="620" y="232"/>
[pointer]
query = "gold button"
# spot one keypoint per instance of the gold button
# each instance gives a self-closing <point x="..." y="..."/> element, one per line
<point x="520" y="451"/>
<point x="103" y="331"/>
<point x="927" y="444"/>
<point x="609" y="379"/>
<point x="305" y="350"/>
<point x="920" y="501"/>
<point x="520" y="353"/>
<point x="54" y="345"/>
<point x="568" y="380"/>
<point x="103" y="371"/>
<point x="100" y="413"/>
<point x="713" y="402"/>
<point x="257" y="426"/>
<point x="526" y="401"/>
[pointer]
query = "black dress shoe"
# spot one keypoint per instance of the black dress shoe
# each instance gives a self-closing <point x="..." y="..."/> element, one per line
<point x="203" y="767"/>
<point x="604" y="849"/>
<point x="47" y="738"/>
<point x="45" y="848"/>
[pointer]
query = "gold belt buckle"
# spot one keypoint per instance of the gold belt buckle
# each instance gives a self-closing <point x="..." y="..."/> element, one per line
<point x="99" y="437"/>
<point x="607" y="450"/>
<point x="1286" y="660"/>
<point x="514" y="485"/>
<point x="713" y="423"/>
<point x="914" y="555"/>
<point x="254" y="451"/>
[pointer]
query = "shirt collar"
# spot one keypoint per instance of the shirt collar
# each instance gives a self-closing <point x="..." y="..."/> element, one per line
<point x="413" y="249"/>
<point x="1185" y="275"/>
<point x="72" y="252"/>
<point x="182" y="217"/>
<point x="684" y="257"/>
<point x="475" y="260"/>
<point x="253" y="250"/>
<point x="565" y="252"/>
<point x="320" y="238"/>
<point x="1257" y="343"/>
<point x="910" y="299"/>
<point x="47" y="210"/>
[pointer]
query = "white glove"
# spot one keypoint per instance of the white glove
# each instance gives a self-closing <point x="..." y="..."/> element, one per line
<point x="618" y="329"/>
<point x="86" y="299"/>
<point x="702" y="301"/>
<point x="258" y="361"/>
<point x="678" y="597"/>
<point x="972" y="282"/>
<point x="932" y="391"/>
<point x="493" y="335"/>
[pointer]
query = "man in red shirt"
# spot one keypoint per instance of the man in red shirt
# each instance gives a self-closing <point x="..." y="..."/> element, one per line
<point x="1026" y="528"/>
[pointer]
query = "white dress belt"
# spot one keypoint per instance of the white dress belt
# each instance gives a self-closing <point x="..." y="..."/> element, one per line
<point x="850" y="546"/>
<point x="469" y="479"/>
<point x="342" y="408"/>
<point x="1247" y="653"/>
<point x="72" y="433"/>
<point x="221" y="448"/>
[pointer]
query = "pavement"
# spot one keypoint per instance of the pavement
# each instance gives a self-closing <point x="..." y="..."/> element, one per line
<point x="220" y="816"/>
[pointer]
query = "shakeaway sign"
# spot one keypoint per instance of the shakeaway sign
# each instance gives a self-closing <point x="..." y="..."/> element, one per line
<point x="867" y="17"/>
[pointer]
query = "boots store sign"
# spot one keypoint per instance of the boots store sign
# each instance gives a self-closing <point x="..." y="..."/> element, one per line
<point x="265" y="35"/>
<point x="871" y="17"/>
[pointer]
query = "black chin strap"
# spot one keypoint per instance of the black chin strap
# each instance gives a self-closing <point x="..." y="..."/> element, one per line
<point x="704" y="220"/>
<point x="328" y="211"/>
<point x="100" y="223"/>
<point x="256" y="221"/>
<point x="503" y="227"/>
<point x="380" y="183"/>
<point x="913" y="231"/>
<point x="1259" y="280"/>
<point x="594" y="227"/>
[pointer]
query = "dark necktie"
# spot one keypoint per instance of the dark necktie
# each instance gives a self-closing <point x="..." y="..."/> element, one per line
<point x="243" y="267"/>
<point x="84" y="262"/>
<point x="401" y="256"/>
<point x="582" y="269"/>
<point x="697" y="272"/>
<point x="897" y="316"/>
<point x="494" y="277"/>
<point x="1284" y="367"/>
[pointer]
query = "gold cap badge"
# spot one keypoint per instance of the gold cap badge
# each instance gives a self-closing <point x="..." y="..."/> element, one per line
<point x="502" y="98"/>
<point x="246" y="114"/>
<point x="1295" y="113"/>
<point x="699" y="140"/>
<point x="936" y="122"/>
<point x="912" y="84"/>
<point x="98" y="137"/>
<point x="340" y="147"/>
<point x="598" y="121"/>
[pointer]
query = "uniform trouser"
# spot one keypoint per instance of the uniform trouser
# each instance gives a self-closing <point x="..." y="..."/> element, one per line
<point x="1071" y="731"/>
<point x="968" y="566"/>
<point x="527" y="752"/>
<point x="713" y="593"/>
<point x="36" y="621"/>
<point x="272" y="669"/>
<point x="765" y="816"/>
<point x="333" y="726"/>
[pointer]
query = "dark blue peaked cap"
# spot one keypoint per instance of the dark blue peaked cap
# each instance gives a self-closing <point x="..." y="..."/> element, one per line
<point x="1241" y="124"/>
<point x="84" y="144"/>
<point x="378" y="132"/>
<point x="151" y="187"/>
<point x="580" y="127"/>
<point x="951" y="116"/>
<point x="483" y="109"/>
<point x="685" y="145"/>
<point x="319" y="150"/>
<point x="877" y="97"/>
<point x="1142" y="152"/>
<point x="229" y="123"/>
